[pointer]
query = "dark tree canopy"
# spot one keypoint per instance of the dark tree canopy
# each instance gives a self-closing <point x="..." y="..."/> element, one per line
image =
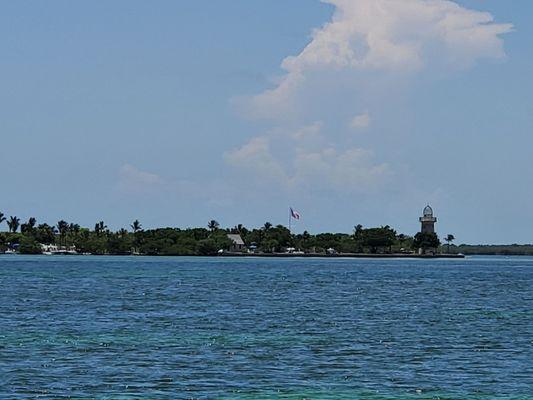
<point x="210" y="240"/>
<point x="427" y="240"/>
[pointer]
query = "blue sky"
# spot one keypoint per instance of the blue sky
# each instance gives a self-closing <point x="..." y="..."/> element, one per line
<point x="177" y="112"/>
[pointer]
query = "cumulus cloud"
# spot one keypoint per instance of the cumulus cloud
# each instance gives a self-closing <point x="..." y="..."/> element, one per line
<point x="256" y="158"/>
<point x="311" y="163"/>
<point x="132" y="179"/>
<point x="133" y="182"/>
<point x="387" y="36"/>
<point x="362" y="59"/>
<point x="360" y="121"/>
<point x="352" y="170"/>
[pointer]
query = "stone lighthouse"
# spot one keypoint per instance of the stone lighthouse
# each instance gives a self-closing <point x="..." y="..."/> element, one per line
<point x="428" y="221"/>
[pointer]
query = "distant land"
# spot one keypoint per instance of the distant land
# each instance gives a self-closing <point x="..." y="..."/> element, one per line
<point x="69" y="238"/>
<point x="496" y="250"/>
<point x="62" y="237"/>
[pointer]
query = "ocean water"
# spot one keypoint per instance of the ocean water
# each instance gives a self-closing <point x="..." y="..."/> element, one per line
<point x="211" y="328"/>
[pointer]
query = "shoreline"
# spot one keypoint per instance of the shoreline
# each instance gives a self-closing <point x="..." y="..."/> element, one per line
<point x="265" y="255"/>
<point x="343" y="255"/>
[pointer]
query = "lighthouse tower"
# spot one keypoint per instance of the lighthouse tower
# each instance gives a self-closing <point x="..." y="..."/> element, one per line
<point x="428" y="221"/>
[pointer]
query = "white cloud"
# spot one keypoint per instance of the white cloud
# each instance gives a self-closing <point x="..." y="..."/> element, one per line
<point x="386" y="36"/>
<point x="362" y="59"/>
<point x="351" y="170"/>
<point x="308" y="163"/>
<point x="360" y="121"/>
<point x="256" y="159"/>
<point x="133" y="180"/>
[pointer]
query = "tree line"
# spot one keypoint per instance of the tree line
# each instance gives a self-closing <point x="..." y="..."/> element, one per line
<point x="28" y="237"/>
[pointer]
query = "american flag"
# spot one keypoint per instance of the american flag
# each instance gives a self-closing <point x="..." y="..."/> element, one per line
<point x="295" y="214"/>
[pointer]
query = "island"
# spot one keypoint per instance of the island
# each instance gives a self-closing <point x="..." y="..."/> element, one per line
<point x="65" y="238"/>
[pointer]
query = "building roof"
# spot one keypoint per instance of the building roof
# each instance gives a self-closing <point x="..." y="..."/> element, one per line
<point x="236" y="239"/>
<point x="428" y="211"/>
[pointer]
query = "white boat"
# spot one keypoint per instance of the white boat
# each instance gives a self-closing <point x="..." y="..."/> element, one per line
<point x="52" y="250"/>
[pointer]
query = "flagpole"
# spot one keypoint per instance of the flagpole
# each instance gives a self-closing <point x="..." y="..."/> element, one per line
<point x="290" y="220"/>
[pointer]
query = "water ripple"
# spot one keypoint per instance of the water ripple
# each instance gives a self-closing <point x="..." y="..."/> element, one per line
<point x="192" y="328"/>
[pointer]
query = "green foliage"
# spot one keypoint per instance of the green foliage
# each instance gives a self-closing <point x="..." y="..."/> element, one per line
<point x="3" y="242"/>
<point x="213" y="225"/>
<point x="13" y="223"/>
<point x="29" y="226"/>
<point x="211" y="239"/>
<point x="63" y="228"/>
<point x="28" y="245"/>
<point x="270" y="246"/>
<point x="207" y="247"/>
<point x="376" y="238"/>
<point x="44" y="234"/>
<point x="270" y="239"/>
<point x="99" y="228"/>
<point x="449" y="239"/>
<point x="220" y="238"/>
<point x="11" y="240"/>
<point x="496" y="250"/>
<point x="95" y="244"/>
<point x="136" y="226"/>
<point x="239" y="230"/>
<point x="426" y="241"/>
<point x="119" y="243"/>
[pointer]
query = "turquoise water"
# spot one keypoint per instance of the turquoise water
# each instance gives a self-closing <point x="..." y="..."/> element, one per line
<point x="207" y="328"/>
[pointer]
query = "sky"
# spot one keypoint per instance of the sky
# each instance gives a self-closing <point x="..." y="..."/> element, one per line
<point x="350" y="111"/>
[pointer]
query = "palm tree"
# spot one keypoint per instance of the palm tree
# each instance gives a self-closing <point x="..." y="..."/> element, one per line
<point x="100" y="227"/>
<point x="13" y="223"/>
<point x="239" y="229"/>
<point x="122" y="232"/>
<point x="267" y="226"/>
<point x="401" y="239"/>
<point x="28" y="226"/>
<point x="74" y="228"/>
<point x="305" y="238"/>
<point x="45" y="233"/>
<point x="136" y="226"/>
<point x="357" y="231"/>
<point x="213" y="225"/>
<point x="2" y="217"/>
<point x="73" y="232"/>
<point x="449" y="239"/>
<point x="62" y="227"/>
